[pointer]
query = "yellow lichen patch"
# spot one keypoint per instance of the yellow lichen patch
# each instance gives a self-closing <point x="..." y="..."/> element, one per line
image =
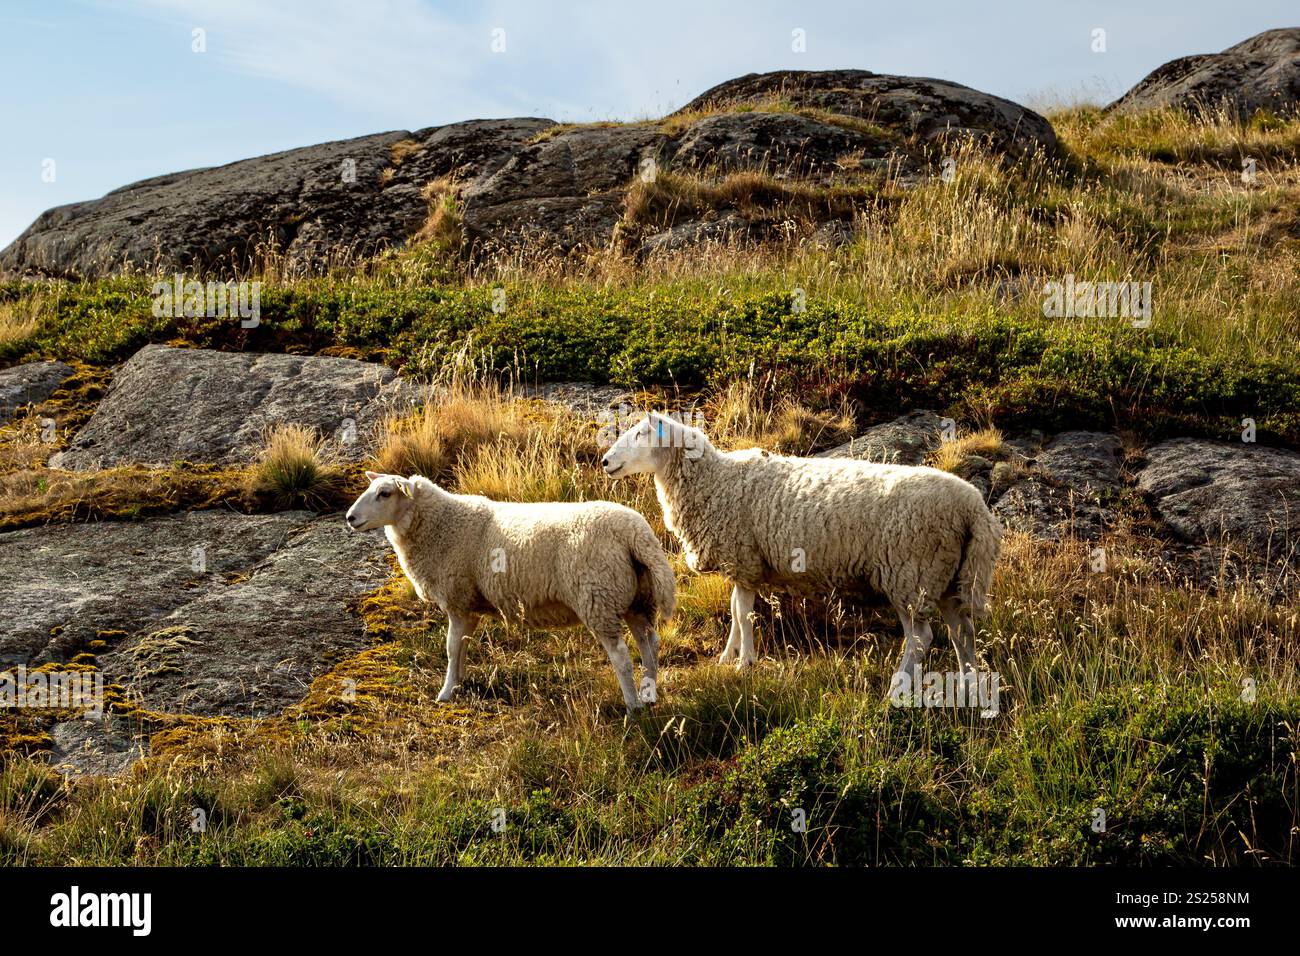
<point x="37" y="433"/>
<point x="377" y="699"/>
<point x="159" y="652"/>
<point x="40" y="496"/>
<point x="343" y="351"/>
<point x="391" y="608"/>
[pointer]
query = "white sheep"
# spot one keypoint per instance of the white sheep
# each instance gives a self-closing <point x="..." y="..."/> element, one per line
<point x="920" y="536"/>
<point x="551" y="564"/>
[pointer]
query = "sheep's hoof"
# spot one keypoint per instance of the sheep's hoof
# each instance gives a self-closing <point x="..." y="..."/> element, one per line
<point x="727" y="656"/>
<point x="445" y="696"/>
<point x="744" y="664"/>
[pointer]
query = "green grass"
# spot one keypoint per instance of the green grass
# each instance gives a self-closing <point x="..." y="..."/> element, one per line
<point x="1015" y="371"/>
<point x="1183" y="777"/>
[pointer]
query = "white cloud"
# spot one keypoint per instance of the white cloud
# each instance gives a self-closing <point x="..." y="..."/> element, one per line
<point x="396" y="58"/>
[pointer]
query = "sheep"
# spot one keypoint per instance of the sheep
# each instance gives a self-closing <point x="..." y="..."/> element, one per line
<point x="545" y="565"/>
<point x="920" y="536"/>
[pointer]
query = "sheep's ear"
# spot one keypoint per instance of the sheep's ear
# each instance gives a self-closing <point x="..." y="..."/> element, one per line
<point x="406" y="486"/>
<point x="658" y="424"/>
<point x="372" y="475"/>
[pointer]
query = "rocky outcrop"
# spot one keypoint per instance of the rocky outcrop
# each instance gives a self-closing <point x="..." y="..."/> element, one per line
<point x="725" y="230"/>
<point x="925" y="110"/>
<point x="786" y="143"/>
<point x="315" y="205"/>
<point x="564" y="192"/>
<point x="174" y="404"/>
<point x="1070" y="488"/>
<point x="519" y="182"/>
<point x="96" y="747"/>
<point x="29" y="384"/>
<point x="207" y="612"/>
<point x="1262" y="73"/>
<point x="907" y="440"/>
<point x="1216" y="492"/>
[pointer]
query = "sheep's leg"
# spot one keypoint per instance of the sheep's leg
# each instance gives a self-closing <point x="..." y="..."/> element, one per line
<point x="917" y="638"/>
<point x="647" y="641"/>
<point x="743" y="611"/>
<point x="733" y="640"/>
<point x="458" y="628"/>
<point x="621" y="660"/>
<point x="961" y="630"/>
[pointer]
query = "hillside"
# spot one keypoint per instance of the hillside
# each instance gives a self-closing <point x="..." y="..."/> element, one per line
<point x="1091" y="315"/>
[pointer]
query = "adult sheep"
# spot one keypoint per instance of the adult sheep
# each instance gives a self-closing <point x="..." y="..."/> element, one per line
<point x="548" y="564"/>
<point x="922" y="537"/>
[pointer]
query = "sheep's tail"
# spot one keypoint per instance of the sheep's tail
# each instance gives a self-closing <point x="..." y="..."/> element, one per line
<point x="979" y="557"/>
<point x="648" y="553"/>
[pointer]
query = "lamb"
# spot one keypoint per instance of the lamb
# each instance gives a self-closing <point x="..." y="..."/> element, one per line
<point x="920" y="536"/>
<point x="546" y="565"/>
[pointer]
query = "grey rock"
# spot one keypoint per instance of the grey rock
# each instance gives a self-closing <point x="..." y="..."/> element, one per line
<point x="565" y="191"/>
<point x="316" y="204"/>
<point x="174" y="404"/>
<point x="583" y="398"/>
<point x="243" y="635"/>
<point x="917" y="108"/>
<point x="518" y="186"/>
<point x="103" y="747"/>
<point x="833" y="234"/>
<point x="907" y="440"/>
<point x="1261" y="73"/>
<point x="1071" y="491"/>
<point x="67" y="582"/>
<point x="780" y="143"/>
<point x="724" y="230"/>
<point x="252" y="647"/>
<point x="1085" y="461"/>
<point x="29" y="384"/>
<point x="1216" y="492"/>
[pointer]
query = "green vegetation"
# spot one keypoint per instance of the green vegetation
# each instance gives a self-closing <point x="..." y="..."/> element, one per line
<point x="1122" y="690"/>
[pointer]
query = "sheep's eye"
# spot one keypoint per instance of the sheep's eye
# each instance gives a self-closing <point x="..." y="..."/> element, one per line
<point x="384" y="494"/>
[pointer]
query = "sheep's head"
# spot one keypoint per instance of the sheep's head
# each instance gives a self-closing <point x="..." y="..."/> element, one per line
<point x="388" y="501"/>
<point x="646" y="446"/>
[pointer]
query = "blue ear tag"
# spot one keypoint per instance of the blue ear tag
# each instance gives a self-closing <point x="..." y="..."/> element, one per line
<point x="661" y="432"/>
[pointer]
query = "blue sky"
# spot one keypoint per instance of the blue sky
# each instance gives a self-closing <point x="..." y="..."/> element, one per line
<point x="113" y="92"/>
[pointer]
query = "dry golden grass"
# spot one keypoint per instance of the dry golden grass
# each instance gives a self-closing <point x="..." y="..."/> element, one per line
<point x="293" y="465"/>
<point x="749" y="414"/>
<point x="538" y="469"/>
<point x="443" y="226"/>
<point x="758" y="197"/>
<point x="402" y="150"/>
<point x="18" y="320"/>
<point x="456" y="418"/>
<point x="949" y="456"/>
